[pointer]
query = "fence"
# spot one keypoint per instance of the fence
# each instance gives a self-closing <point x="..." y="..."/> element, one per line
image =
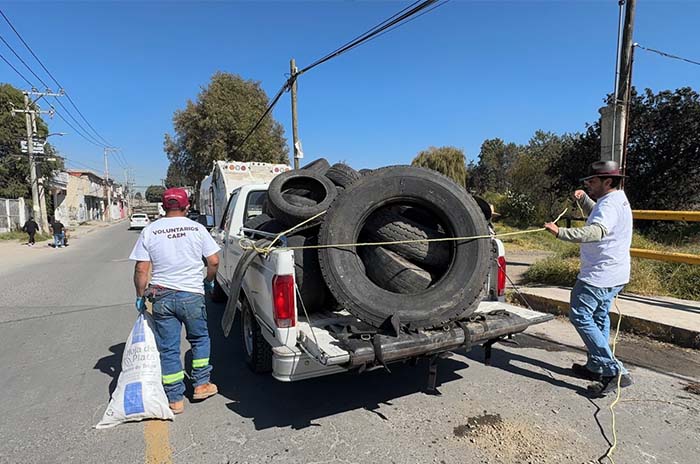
<point x="13" y="214"/>
<point x="688" y="216"/>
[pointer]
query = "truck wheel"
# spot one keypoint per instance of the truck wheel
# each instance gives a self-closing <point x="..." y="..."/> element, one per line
<point x="217" y="294"/>
<point x="320" y="188"/>
<point x="258" y="353"/>
<point x="342" y="175"/>
<point x="455" y="290"/>
<point x="392" y="272"/>
<point x="320" y="165"/>
<point x="386" y="225"/>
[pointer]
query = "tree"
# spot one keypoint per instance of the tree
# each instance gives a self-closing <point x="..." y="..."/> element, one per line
<point x="449" y="161"/>
<point x="175" y="177"/>
<point x="214" y="126"/>
<point x="154" y="193"/>
<point x="495" y="159"/>
<point x="14" y="165"/>
<point x="662" y="157"/>
<point x="138" y="196"/>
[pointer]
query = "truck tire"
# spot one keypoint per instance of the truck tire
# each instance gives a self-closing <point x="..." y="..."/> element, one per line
<point x="299" y="200"/>
<point x="392" y="272"/>
<point x="456" y="291"/>
<point x="342" y="175"/>
<point x="320" y="188"/>
<point x="386" y="225"/>
<point x="217" y="294"/>
<point x="320" y="165"/>
<point x="307" y="272"/>
<point x="364" y="172"/>
<point x="258" y="353"/>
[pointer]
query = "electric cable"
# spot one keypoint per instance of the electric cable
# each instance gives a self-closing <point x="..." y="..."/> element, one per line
<point x="666" y="55"/>
<point x="16" y="70"/>
<point x="53" y="78"/>
<point x="408" y="20"/>
<point x="46" y="86"/>
<point x="57" y="113"/>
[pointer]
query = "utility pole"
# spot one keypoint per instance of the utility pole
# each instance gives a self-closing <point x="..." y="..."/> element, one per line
<point x="614" y="116"/>
<point x="298" y="153"/>
<point x="38" y="198"/>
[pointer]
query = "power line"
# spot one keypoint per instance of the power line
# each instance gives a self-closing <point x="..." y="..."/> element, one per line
<point x="390" y="23"/>
<point x="667" y="55"/>
<point x="57" y="113"/>
<point x="53" y="78"/>
<point x="23" y="62"/>
<point x="408" y="20"/>
<point x="17" y="71"/>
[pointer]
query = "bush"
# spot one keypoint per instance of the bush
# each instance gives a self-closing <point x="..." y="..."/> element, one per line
<point x="20" y="236"/>
<point x="553" y="271"/>
<point x="518" y="210"/>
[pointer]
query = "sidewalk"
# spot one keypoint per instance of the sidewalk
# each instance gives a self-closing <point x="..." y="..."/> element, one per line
<point x="662" y="318"/>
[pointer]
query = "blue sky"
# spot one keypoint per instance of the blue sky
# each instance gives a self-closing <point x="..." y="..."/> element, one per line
<point x="458" y="75"/>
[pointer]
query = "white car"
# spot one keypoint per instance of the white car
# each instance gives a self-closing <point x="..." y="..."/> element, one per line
<point x="138" y="221"/>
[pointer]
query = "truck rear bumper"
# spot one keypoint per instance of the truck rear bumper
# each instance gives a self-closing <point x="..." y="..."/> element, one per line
<point x="491" y="321"/>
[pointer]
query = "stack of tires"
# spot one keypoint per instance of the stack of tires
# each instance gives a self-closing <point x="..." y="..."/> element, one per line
<point x="417" y="284"/>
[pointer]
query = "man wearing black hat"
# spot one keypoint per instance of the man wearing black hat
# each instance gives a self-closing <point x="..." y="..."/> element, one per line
<point x="605" y="269"/>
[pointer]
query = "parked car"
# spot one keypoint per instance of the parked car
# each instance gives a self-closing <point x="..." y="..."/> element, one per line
<point x="138" y="221"/>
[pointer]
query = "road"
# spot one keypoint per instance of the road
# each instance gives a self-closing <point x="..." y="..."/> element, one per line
<point x="65" y="315"/>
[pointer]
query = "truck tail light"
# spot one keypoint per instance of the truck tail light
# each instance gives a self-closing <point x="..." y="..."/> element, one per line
<point x="283" y="301"/>
<point x="501" y="283"/>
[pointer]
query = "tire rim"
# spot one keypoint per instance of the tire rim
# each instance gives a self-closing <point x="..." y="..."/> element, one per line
<point x="248" y="330"/>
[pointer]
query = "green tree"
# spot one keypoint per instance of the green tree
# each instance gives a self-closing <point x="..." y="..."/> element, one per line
<point x="214" y="126"/>
<point x="175" y="177"/>
<point x="449" y="161"/>
<point x="14" y="165"/>
<point x="138" y="196"/>
<point x="495" y="160"/>
<point x="154" y="193"/>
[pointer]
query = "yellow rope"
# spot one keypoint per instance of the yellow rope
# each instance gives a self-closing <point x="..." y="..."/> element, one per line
<point x="248" y="244"/>
<point x="619" y="381"/>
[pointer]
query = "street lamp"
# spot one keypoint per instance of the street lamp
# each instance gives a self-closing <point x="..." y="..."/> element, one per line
<point x="52" y="158"/>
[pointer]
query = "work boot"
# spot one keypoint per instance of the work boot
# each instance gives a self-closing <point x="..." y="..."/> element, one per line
<point x="608" y="384"/>
<point x="177" y="407"/>
<point x="583" y="372"/>
<point x="204" y="391"/>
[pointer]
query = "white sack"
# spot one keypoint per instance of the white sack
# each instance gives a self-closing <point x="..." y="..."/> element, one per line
<point x="139" y="394"/>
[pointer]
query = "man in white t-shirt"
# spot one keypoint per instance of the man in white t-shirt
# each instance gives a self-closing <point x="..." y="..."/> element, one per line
<point x="605" y="269"/>
<point x="172" y="249"/>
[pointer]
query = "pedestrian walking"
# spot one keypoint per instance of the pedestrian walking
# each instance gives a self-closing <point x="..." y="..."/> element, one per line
<point x="30" y="227"/>
<point x="58" y="230"/>
<point x="605" y="269"/>
<point x="172" y="248"/>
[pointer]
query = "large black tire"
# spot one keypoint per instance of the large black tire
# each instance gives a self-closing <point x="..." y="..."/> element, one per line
<point x="320" y="165"/>
<point x="307" y="273"/>
<point x="386" y="226"/>
<point x="264" y="223"/>
<point x="392" y="272"/>
<point x="342" y="175"/>
<point x="320" y="188"/>
<point x="453" y="293"/>
<point x="258" y="353"/>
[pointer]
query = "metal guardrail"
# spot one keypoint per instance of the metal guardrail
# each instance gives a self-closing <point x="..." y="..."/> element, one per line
<point x="687" y="216"/>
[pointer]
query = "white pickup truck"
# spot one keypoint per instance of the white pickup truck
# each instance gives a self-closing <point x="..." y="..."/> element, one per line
<point x="279" y="337"/>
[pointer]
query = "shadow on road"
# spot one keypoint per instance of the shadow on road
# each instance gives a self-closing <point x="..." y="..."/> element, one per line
<point x="271" y="403"/>
<point x="112" y="365"/>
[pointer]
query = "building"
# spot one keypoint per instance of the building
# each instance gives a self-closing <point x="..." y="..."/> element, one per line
<point x="81" y="196"/>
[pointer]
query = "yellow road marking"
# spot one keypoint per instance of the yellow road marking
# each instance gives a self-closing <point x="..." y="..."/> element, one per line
<point x="156" y="434"/>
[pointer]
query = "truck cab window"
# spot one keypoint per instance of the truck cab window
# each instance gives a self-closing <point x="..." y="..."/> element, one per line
<point x="228" y="213"/>
<point x="254" y="204"/>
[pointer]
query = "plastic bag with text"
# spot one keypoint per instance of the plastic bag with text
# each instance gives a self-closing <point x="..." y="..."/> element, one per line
<point x="139" y="394"/>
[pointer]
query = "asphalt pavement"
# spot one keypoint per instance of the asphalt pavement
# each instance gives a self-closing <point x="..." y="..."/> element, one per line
<point x="64" y="318"/>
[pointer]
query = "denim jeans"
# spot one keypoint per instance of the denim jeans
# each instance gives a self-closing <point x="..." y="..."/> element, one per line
<point x="170" y="312"/>
<point x="58" y="240"/>
<point x="589" y="313"/>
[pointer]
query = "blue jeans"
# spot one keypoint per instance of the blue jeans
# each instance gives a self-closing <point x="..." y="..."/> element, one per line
<point x="58" y="240"/>
<point x="589" y="313"/>
<point x="170" y="311"/>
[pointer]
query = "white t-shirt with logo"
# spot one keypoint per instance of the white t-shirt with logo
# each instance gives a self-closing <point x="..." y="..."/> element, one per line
<point x="607" y="263"/>
<point x="175" y="247"/>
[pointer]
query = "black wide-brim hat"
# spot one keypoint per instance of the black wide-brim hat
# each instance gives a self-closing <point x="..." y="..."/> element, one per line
<point x="603" y="169"/>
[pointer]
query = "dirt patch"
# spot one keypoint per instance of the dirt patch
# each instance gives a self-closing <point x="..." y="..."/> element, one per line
<point x="512" y="441"/>
<point x="693" y="388"/>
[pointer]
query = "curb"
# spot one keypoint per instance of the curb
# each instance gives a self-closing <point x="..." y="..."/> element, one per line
<point x="656" y="330"/>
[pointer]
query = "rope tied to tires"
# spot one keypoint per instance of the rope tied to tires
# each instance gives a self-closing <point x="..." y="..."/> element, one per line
<point x="248" y="244"/>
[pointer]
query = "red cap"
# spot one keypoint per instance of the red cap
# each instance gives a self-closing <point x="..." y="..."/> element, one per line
<point x="175" y="198"/>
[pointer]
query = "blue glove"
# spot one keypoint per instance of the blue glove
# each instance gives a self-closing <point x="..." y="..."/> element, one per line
<point x="208" y="285"/>
<point x="140" y="303"/>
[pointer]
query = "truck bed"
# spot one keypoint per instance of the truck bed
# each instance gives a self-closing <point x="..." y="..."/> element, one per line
<point x="331" y="342"/>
